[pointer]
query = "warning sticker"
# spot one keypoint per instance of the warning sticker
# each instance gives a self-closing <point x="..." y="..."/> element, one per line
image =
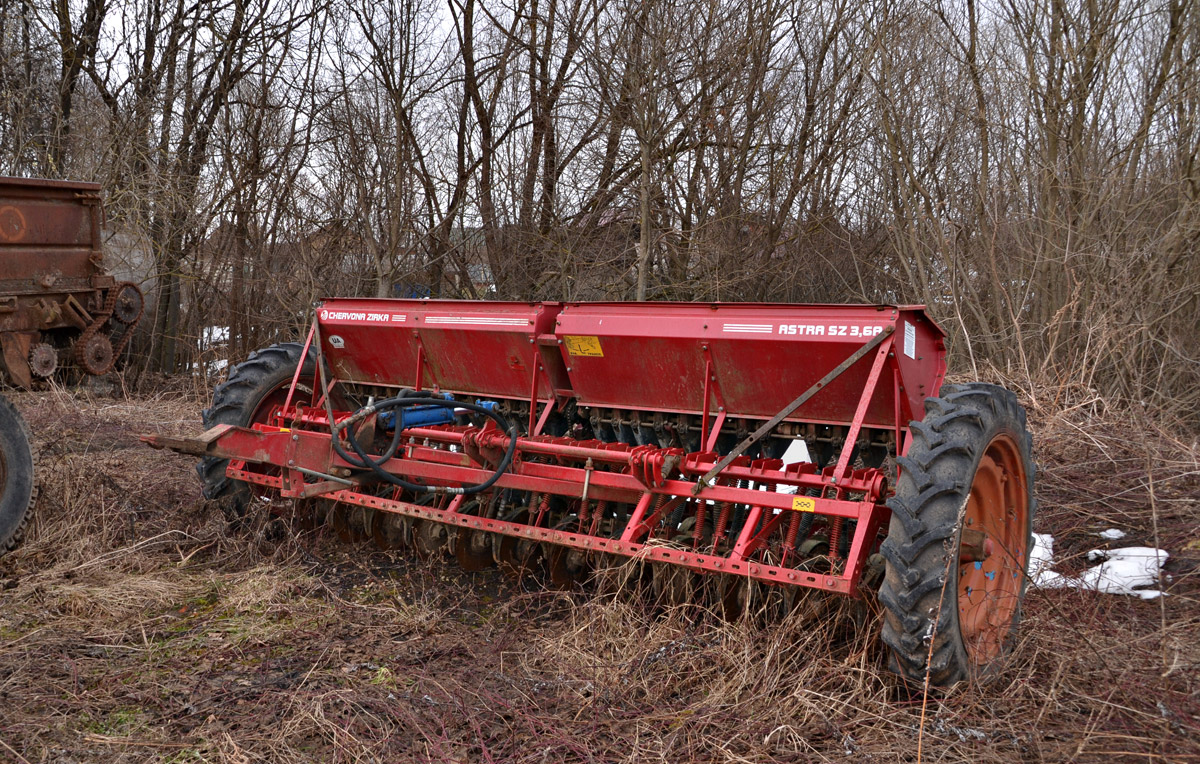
<point x="582" y="345"/>
<point x="910" y="340"/>
<point x="804" y="504"/>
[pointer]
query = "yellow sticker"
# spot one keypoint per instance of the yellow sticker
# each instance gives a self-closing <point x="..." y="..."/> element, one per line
<point x="581" y="345"/>
<point x="804" y="504"/>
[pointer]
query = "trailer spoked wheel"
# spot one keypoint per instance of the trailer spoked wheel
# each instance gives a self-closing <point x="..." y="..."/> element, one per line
<point x="957" y="550"/>
<point x="18" y="489"/>
<point x="253" y="389"/>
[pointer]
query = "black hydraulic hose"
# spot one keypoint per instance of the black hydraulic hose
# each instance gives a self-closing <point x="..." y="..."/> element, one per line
<point x="392" y="404"/>
<point x="362" y="414"/>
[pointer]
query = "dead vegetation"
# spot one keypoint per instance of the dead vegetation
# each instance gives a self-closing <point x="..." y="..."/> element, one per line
<point x="134" y="626"/>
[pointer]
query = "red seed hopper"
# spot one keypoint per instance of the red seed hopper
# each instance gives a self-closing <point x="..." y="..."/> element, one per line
<point x="720" y="453"/>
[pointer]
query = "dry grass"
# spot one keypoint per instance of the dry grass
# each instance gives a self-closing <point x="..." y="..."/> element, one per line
<point x="135" y="627"/>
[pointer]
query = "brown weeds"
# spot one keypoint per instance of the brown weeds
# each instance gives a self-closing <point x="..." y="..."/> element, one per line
<point x="135" y="626"/>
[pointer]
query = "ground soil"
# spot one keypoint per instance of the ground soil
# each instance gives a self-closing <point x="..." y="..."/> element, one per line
<point x="136" y="625"/>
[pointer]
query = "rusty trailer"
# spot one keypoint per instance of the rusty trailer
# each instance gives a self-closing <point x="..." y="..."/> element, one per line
<point x="57" y="303"/>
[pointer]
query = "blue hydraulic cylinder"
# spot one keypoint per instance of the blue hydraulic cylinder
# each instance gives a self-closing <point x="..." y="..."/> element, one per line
<point x="424" y="416"/>
<point x="418" y="416"/>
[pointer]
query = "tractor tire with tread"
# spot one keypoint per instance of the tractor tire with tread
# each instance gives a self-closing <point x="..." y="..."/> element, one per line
<point x="956" y="474"/>
<point x="239" y="400"/>
<point x="18" y="486"/>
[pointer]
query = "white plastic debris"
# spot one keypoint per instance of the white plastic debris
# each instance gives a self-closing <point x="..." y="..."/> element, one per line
<point x="1112" y="534"/>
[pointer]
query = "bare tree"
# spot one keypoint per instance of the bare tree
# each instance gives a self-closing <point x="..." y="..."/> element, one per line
<point x="1028" y="168"/>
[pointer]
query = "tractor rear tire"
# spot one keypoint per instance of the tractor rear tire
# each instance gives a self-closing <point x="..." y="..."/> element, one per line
<point x="246" y="397"/>
<point x="951" y="601"/>
<point x="18" y="488"/>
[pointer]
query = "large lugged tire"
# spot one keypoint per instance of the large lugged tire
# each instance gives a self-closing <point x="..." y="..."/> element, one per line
<point x="952" y="601"/>
<point x="18" y="488"/>
<point x="247" y="396"/>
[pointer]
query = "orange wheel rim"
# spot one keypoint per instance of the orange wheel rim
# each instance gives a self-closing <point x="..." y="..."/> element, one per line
<point x="266" y="409"/>
<point x="990" y="584"/>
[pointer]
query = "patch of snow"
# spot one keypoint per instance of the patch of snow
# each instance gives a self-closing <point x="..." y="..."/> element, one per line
<point x="1112" y="534"/>
<point x="1120" y="571"/>
<point x="1041" y="560"/>
<point x="963" y="733"/>
<point x="211" y="338"/>
<point x="213" y="367"/>
<point x="212" y="335"/>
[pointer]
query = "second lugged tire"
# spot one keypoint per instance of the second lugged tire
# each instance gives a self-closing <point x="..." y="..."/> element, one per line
<point x="247" y="396"/>
<point x="18" y="489"/>
<point x="958" y="545"/>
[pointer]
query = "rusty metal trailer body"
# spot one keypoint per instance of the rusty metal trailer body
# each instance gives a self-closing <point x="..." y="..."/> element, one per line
<point x="57" y="303"/>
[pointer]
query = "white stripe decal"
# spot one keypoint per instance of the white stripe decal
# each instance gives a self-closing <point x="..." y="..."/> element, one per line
<point x="476" y="321"/>
<point x="749" y="328"/>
